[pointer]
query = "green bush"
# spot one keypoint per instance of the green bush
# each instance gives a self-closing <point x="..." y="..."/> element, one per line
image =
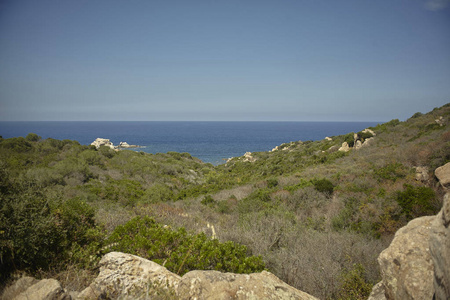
<point x="158" y="193"/>
<point x="350" y="139"/>
<point x="392" y="171"/>
<point x="179" y="251"/>
<point x="416" y="201"/>
<point x="324" y="186"/>
<point x="32" y="137"/>
<point x="354" y="284"/>
<point x="17" y="144"/>
<point x="37" y="233"/>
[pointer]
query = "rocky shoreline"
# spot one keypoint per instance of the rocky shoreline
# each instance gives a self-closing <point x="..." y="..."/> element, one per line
<point x="107" y="143"/>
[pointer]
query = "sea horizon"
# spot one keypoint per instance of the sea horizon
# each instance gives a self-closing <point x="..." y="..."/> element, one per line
<point x="211" y="141"/>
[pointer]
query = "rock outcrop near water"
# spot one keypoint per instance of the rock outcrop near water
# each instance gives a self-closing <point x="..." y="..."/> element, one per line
<point x="107" y="143"/>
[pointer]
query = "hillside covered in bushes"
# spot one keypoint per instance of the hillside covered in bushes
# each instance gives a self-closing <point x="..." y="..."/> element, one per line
<point x="311" y="213"/>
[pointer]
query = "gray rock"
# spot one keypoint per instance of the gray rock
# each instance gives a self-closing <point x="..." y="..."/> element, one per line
<point x="440" y="250"/>
<point x="217" y="285"/>
<point x="20" y="286"/>
<point x="125" y="275"/>
<point x="443" y="174"/>
<point x="377" y="292"/>
<point x="406" y="265"/>
<point x="422" y="174"/>
<point x="45" y="289"/>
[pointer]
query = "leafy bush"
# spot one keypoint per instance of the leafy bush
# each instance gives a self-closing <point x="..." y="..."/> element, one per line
<point x="416" y="201"/>
<point x="354" y="285"/>
<point x="181" y="252"/>
<point x="324" y="186"/>
<point x="17" y="144"/>
<point x="350" y="139"/>
<point x="36" y="233"/>
<point x="32" y="137"/>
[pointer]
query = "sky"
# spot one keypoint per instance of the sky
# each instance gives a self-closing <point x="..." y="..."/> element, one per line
<point x="230" y="60"/>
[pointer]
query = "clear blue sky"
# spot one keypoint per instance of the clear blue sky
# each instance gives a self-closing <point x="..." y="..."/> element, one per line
<point x="285" y="60"/>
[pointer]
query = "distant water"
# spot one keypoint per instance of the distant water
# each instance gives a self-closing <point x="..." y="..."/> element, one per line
<point x="212" y="142"/>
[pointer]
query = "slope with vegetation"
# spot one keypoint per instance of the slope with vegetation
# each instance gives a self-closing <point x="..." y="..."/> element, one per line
<point x="314" y="216"/>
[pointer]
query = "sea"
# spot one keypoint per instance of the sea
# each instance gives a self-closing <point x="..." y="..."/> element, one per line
<point x="212" y="142"/>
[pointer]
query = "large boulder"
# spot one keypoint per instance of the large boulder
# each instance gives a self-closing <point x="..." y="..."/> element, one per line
<point x="406" y="265"/>
<point x="417" y="263"/>
<point x="102" y="142"/>
<point x="443" y="174"/>
<point x="345" y="147"/>
<point x="217" y="285"/>
<point x="126" y="275"/>
<point x="440" y="250"/>
<point x="45" y="289"/>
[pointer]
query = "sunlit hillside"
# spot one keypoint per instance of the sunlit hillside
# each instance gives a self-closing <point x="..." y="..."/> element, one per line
<point x="315" y="213"/>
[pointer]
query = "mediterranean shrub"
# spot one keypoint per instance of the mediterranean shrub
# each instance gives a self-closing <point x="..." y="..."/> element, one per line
<point x="181" y="252"/>
<point x="416" y="201"/>
<point x="324" y="186"/>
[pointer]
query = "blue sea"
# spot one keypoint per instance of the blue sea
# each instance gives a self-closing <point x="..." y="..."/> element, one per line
<point x="212" y="142"/>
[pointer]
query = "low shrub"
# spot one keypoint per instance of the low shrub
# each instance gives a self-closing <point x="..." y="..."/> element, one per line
<point x="416" y="201"/>
<point x="181" y="252"/>
<point x="354" y="284"/>
<point x="324" y="186"/>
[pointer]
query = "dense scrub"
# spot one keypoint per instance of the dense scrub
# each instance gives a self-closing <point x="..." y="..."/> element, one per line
<point x="316" y="216"/>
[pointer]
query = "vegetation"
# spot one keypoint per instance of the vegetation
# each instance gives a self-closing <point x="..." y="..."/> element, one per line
<point x="314" y="216"/>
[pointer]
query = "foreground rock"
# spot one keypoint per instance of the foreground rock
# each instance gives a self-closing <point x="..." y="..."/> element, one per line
<point x="406" y="265"/>
<point x="127" y="276"/>
<point x="440" y="250"/>
<point x="28" y="288"/>
<point x="217" y="285"/>
<point x="417" y="263"/>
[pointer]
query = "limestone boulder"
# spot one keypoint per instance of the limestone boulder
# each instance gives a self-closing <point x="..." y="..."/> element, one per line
<point x="406" y="265"/>
<point x="217" y="285"/>
<point x="102" y="142"/>
<point x="422" y="174"/>
<point x="345" y="147"/>
<point x="440" y="250"/>
<point x="125" y="275"/>
<point x="443" y="175"/>
<point x="45" y="289"/>
<point x="19" y="286"/>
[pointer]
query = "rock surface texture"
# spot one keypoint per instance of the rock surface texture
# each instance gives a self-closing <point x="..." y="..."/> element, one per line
<point x="128" y="275"/>
<point x="45" y="289"/>
<point x="417" y="263"/>
<point x="406" y="265"/>
<point x="102" y="142"/>
<point x="440" y="250"/>
<point x="443" y="174"/>
<point x="217" y="285"/>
